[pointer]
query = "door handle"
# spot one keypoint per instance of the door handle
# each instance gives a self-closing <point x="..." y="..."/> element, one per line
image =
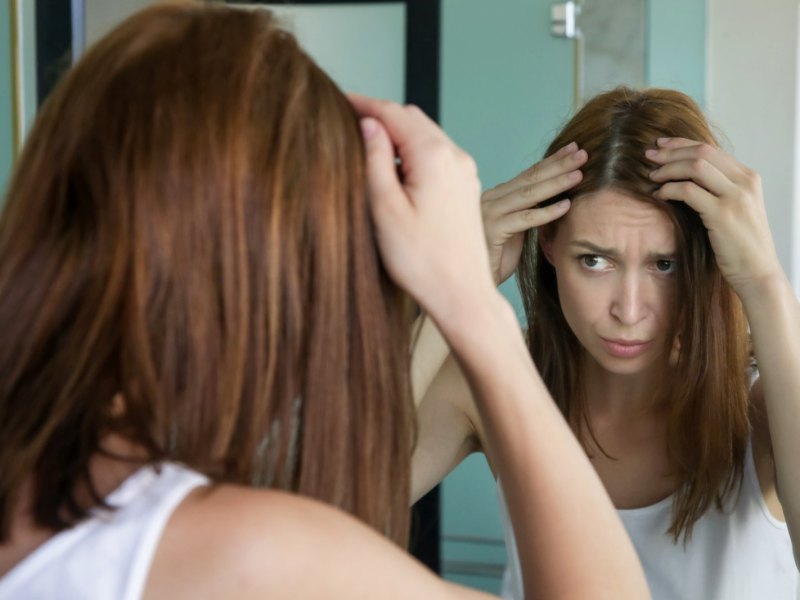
<point x="563" y="20"/>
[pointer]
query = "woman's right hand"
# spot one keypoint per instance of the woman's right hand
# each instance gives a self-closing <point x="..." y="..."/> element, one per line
<point x="427" y="220"/>
<point x="512" y="208"/>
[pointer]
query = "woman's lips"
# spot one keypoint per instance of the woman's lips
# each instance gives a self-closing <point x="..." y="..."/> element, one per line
<point x="626" y="348"/>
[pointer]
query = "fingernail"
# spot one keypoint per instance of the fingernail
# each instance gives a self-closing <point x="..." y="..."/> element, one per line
<point x="652" y="173"/>
<point x="562" y="204"/>
<point x="580" y="155"/>
<point x="574" y="175"/>
<point x="650" y="153"/>
<point x="368" y="127"/>
<point x="571" y="147"/>
<point x="662" y="141"/>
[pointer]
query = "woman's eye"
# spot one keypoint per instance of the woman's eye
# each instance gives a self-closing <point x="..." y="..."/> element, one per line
<point x="593" y="262"/>
<point x="665" y="266"/>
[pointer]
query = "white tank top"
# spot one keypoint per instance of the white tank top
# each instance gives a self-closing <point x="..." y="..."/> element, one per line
<point x="108" y="555"/>
<point x="741" y="554"/>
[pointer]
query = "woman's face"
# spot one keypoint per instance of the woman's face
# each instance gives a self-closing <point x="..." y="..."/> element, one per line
<point x="614" y="258"/>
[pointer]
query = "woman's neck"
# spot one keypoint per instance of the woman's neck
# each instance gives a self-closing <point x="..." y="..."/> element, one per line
<point x="617" y="396"/>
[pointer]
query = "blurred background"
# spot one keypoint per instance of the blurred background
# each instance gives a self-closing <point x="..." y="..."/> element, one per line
<point x="500" y="76"/>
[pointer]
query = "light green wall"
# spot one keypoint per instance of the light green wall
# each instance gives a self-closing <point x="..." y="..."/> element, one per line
<point x="6" y="110"/>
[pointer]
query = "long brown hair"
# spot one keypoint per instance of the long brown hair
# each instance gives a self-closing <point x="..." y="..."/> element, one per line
<point x="707" y="395"/>
<point x="188" y="227"/>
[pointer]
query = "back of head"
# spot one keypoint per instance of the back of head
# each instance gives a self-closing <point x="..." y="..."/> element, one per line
<point x="708" y="428"/>
<point x="187" y="229"/>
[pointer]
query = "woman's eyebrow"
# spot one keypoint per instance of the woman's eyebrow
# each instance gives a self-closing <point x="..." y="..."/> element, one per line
<point x="594" y="248"/>
<point x="586" y="245"/>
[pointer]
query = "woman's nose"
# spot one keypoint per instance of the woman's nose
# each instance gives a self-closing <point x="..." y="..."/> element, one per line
<point x="628" y="305"/>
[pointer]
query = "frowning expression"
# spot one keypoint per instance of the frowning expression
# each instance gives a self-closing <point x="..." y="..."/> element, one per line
<point x="615" y="263"/>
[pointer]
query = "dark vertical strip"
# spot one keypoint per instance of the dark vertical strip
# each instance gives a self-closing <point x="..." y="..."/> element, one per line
<point x="426" y="531"/>
<point x="423" y="32"/>
<point x="53" y="43"/>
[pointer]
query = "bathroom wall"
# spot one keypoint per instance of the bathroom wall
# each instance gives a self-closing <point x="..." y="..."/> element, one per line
<point x="753" y="99"/>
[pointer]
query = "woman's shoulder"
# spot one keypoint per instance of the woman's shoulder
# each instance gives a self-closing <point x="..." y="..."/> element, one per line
<point x="230" y="540"/>
<point x="224" y="538"/>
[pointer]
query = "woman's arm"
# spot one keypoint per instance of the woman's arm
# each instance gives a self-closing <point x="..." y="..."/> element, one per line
<point x="774" y="316"/>
<point x="448" y="429"/>
<point x="729" y="198"/>
<point x="449" y="426"/>
<point x="572" y="544"/>
<point x="509" y="211"/>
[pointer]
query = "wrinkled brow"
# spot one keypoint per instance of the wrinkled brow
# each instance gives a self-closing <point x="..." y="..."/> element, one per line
<point x="613" y="252"/>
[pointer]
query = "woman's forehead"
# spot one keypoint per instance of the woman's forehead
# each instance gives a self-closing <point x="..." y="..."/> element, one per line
<point x="609" y="215"/>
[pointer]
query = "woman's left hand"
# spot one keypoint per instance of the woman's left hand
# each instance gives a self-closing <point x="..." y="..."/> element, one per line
<point x="728" y="197"/>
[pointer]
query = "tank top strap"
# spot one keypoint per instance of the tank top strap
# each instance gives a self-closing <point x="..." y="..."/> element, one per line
<point x="109" y="554"/>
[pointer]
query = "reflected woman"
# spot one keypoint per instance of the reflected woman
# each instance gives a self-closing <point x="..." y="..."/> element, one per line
<point x="205" y="265"/>
<point x="638" y="301"/>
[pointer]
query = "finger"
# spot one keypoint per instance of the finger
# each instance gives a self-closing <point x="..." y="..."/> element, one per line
<point x="689" y="192"/>
<point x="698" y="170"/>
<point x="532" y="195"/>
<point x="361" y="103"/>
<point x="570" y="148"/>
<point x="676" y="142"/>
<point x="404" y="124"/>
<point x="723" y="161"/>
<point x="535" y="217"/>
<point x="386" y="194"/>
<point x="553" y="166"/>
<point x="565" y="151"/>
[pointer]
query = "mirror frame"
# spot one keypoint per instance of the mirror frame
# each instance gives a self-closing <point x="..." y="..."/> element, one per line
<point x="422" y="50"/>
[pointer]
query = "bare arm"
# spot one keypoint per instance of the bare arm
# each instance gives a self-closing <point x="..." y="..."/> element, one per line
<point x="553" y="504"/>
<point x="449" y="424"/>
<point x="448" y="429"/>
<point x="774" y="316"/>
<point x="428" y="352"/>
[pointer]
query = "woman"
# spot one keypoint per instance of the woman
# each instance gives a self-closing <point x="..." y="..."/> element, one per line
<point x="202" y="259"/>
<point x="638" y="300"/>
